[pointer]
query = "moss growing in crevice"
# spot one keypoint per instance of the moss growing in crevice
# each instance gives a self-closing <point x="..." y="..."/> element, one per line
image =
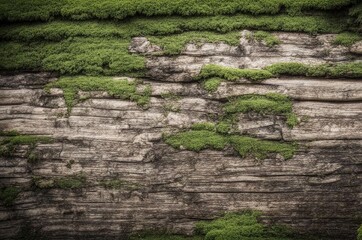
<point x="67" y="182"/>
<point x="9" y="194"/>
<point x="13" y="139"/>
<point x="197" y="140"/>
<point x="220" y="73"/>
<point x="119" y="88"/>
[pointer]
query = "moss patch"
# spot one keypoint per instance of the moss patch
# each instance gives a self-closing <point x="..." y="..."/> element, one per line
<point x="68" y="182"/>
<point x="342" y="70"/>
<point x="13" y="139"/>
<point x="269" y="39"/>
<point x="119" y="88"/>
<point x="197" y="140"/>
<point x="43" y="10"/>
<point x="347" y="39"/>
<point x="233" y="74"/>
<point x="359" y="233"/>
<point x="174" y="44"/>
<point x="90" y="56"/>
<point x="271" y="103"/>
<point x="246" y="225"/>
<point x="211" y="84"/>
<point x="9" y="194"/>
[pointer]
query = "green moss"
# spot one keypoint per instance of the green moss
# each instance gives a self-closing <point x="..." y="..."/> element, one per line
<point x="60" y="30"/>
<point x="342" y="70"/>
<point x="224" y="127"/>
<point x="356" y="11"/>
<point x="260" y="148"/>
<point x="238" y="226"/>
<point x="68" y="182"/>
<point x="292" y="120"/>
<point x="13" y="139"/>
<point x="119" y="88"/>
<point x="359" y="233"/>
<point x="233" y="74"/>
<point x="212" y="84"/>
<point x="90" y="56"/>
<point x="9" y="133"/>
<point x="9" y="194"/>
<point x="271" y="103"/>
<point x="153" y="236"/>
<point x="71" y="182"/>
<point x="347" y="39"/>
<point x="269" y="39"/>
<point x="291" y="69"/>
<point x="44" y="10"/>
<point x="197" y="140"/>
<point x="119" y="184"/>
<point x="174" y="44"/>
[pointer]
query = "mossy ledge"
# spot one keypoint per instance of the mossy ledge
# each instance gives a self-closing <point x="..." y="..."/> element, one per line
<point x="119" y="88"/>
<point x="271" y="103"/>
<point x="341" y="70"/>
<point x="10" y="140"/>
<point x="197" y="140"/>
<point x="43" y="10"/>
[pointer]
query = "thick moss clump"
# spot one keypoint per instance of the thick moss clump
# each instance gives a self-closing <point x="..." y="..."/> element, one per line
<point x="271" y="103"/>
<point x="43" y="10"/>
<point x="211" y="84"/>
<point x="119" y="88"/>
<point x="247" y="225"/>
<point x="89" y="56"/>
<point x="197" y="140"/>
<point x="342" y="70"/>
<point x="174" y="44"/>
<point x="347" y="39"/>
<point x="9" y="194"/>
